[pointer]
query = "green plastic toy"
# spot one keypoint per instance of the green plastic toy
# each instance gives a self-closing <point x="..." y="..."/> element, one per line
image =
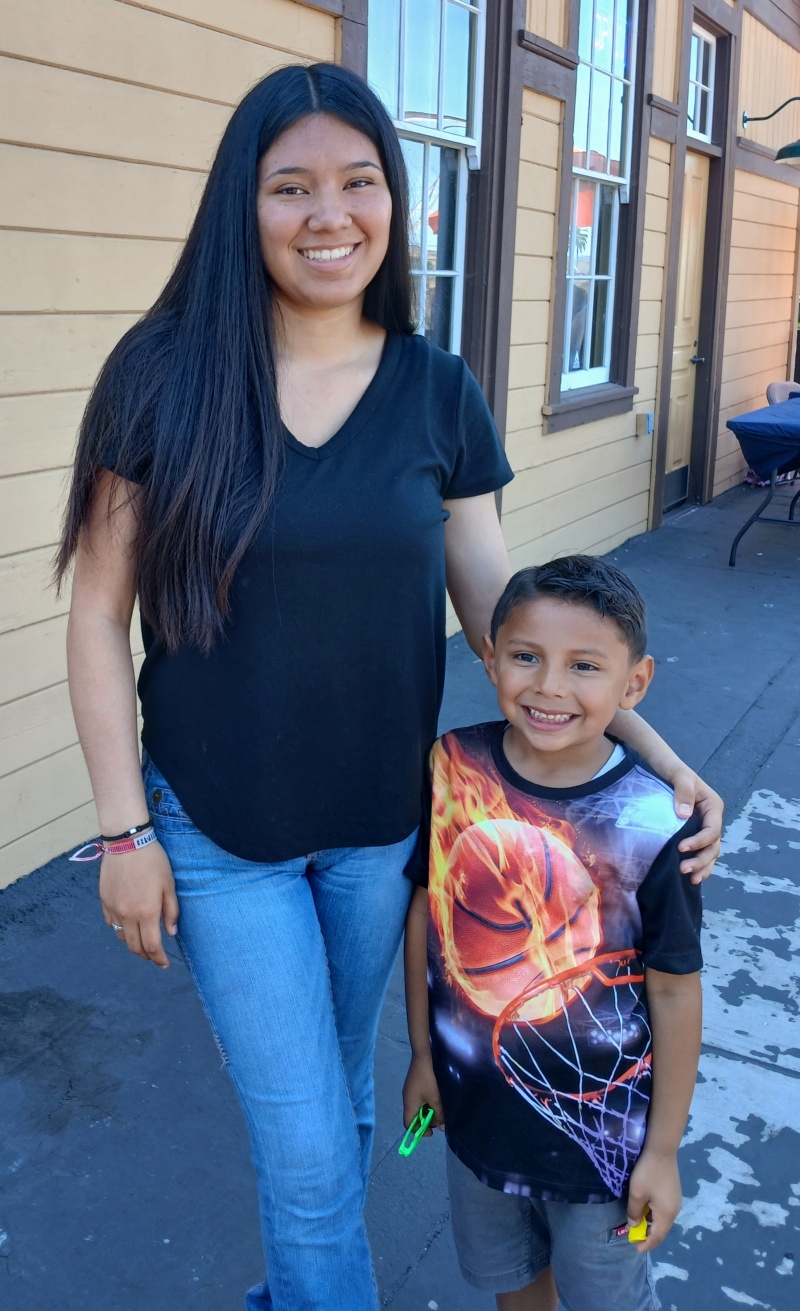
<point x="416" y="1129"/>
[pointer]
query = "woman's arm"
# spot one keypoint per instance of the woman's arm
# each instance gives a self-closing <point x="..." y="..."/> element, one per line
<point x="690" y="791"/>
<point x="477" y="563"/>
<point x="135" y="888"/>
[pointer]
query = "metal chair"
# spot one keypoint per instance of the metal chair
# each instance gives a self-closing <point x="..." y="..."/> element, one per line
<point x="781" y="391"/>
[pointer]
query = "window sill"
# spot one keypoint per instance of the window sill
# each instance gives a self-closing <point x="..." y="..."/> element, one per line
<point x="703" y="146"/>
<point x="335" y="7"/>
<point x="586" y="405"/>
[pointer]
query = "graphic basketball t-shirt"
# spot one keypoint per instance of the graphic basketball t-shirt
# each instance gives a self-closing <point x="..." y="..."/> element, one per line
<point x="545" y="905"/>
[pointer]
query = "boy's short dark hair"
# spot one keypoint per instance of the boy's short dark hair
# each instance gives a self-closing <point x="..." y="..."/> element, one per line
<point x="580" y="580"/>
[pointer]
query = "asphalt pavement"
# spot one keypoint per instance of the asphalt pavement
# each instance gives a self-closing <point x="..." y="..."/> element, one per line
<point x="124" y="1174"/>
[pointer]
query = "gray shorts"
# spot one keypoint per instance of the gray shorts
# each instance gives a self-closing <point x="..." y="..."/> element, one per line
<point x="504" y="1241"/>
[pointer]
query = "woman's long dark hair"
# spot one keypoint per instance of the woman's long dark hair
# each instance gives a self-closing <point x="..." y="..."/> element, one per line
<point x="187" y="401"/>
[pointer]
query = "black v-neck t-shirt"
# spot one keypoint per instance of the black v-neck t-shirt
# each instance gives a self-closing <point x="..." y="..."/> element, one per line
<point x="307" y="726"/>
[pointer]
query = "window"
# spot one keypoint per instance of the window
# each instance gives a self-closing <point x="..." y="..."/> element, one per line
<point x="425" y="62"/>
<point x="601" y="174"/>
<point x="701" y="84"/>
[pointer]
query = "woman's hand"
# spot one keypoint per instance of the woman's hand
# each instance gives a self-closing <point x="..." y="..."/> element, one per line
<point x="690" y="793"/>
<point x="137" y="890"/>
<point x="419" y="1089"/>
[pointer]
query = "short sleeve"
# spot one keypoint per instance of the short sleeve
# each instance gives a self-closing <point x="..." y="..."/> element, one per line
<point x="480" y="463"/>
<point x="130" y="458"/>
<point x="120" y="414"/>
<point x="672" y="910"/>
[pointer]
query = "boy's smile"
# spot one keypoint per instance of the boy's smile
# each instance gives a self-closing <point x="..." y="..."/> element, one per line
<point x="561" y="671"/>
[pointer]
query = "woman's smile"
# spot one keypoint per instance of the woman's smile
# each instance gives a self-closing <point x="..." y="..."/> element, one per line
<point x="329" y="254"/>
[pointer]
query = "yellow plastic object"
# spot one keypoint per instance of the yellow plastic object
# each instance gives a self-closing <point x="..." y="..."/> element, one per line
<point x="638" y="1233"/>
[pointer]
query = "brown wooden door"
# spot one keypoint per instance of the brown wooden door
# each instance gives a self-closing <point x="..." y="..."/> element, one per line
<point x="687" y="325"/>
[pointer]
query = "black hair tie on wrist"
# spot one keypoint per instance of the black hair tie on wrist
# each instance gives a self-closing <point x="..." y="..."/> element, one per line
<point x="129" y="833"/>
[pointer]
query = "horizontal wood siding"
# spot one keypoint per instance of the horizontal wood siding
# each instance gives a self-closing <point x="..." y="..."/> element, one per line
<point x="761" y="313"/>
<point x="111" y="112"/>
<point x="550" y="19"/>
<point x="770" y="74"/>
<point x="665" y="49"/>
<point x="586" y="488"/>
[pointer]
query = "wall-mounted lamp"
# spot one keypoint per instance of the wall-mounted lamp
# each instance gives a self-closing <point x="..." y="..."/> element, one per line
<point x="790" y="152"/>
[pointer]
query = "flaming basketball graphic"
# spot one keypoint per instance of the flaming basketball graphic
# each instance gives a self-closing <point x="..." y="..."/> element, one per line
<point x="511" y="900"/>
<point x="523" y="908"/>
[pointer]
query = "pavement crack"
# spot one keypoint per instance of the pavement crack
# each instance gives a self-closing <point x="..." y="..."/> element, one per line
<point x="411" y="1269"/>
<point x="712" y="1049"/>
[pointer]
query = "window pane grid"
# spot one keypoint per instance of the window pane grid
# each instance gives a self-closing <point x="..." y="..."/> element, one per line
<point x="436" y="235"/>
<point x="590" y="291"/>
<point x="601" y="111"/>
<point x="425" y="62"/>
<point x="428" y="78"/>
<point x="601" y="167"/>
<point x="700" y="110"/>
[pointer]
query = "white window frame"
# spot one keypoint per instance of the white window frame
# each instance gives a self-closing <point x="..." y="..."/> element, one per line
<point x="422" y="274"/>
<point x="707" y="38"/>
<point x="467" y="147"/>
<point x="592" y="377"/>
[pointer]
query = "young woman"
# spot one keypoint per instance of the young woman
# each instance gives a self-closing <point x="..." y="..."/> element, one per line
<point x="286" y="477"/>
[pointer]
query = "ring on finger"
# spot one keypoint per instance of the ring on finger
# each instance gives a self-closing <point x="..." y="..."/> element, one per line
<point x="118" y="928"/>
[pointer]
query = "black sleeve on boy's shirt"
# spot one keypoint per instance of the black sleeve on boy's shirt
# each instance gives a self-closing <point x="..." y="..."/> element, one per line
<point x="671" y="909"/>
<point x="417" y="867"/>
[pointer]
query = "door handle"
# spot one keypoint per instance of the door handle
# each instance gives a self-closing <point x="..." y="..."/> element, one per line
<point x="697" y="359"/>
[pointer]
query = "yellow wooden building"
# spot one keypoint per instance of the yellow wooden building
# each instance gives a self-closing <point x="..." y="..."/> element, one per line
<point x="591" y="227"/>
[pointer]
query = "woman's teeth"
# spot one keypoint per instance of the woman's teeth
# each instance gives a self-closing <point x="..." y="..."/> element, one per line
<point x="325" y="255"/>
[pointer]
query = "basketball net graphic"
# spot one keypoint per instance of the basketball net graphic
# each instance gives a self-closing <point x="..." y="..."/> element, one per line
<point x="603" y="1114"/>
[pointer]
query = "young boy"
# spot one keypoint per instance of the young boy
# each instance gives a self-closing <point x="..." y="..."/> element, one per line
<point x="552" y="958"/>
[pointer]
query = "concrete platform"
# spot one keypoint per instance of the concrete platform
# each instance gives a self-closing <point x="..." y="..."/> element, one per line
<point x="124" y="1173"/>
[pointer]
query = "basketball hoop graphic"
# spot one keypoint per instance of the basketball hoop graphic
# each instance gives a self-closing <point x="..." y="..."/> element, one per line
<point x="595" y="1005"/>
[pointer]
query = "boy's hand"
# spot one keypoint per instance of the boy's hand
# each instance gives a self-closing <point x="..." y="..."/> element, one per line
<point x="420" y="1087"/>
<point x="655" y="1186"/>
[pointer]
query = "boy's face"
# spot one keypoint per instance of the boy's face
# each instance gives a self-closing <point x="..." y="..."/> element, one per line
<point x="561" y="672"/>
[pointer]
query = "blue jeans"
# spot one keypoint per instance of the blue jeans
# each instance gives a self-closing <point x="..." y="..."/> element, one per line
<point x="291" y="962"/>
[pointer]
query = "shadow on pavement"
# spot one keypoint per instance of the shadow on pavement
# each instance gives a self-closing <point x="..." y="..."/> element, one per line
<point x="124" y="1162"/>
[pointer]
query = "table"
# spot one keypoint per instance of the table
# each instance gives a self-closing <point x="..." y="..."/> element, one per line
<point x="770" y="442"/>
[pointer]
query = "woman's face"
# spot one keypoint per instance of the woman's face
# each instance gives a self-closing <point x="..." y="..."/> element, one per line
<point x="324" y="211"/>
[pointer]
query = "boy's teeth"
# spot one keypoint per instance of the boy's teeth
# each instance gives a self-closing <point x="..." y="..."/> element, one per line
<point x="548" y="719"/>
<point x="324" y="255"/>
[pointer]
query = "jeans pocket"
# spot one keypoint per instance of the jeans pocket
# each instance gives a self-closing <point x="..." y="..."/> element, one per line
<point x="166" y="811"/>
